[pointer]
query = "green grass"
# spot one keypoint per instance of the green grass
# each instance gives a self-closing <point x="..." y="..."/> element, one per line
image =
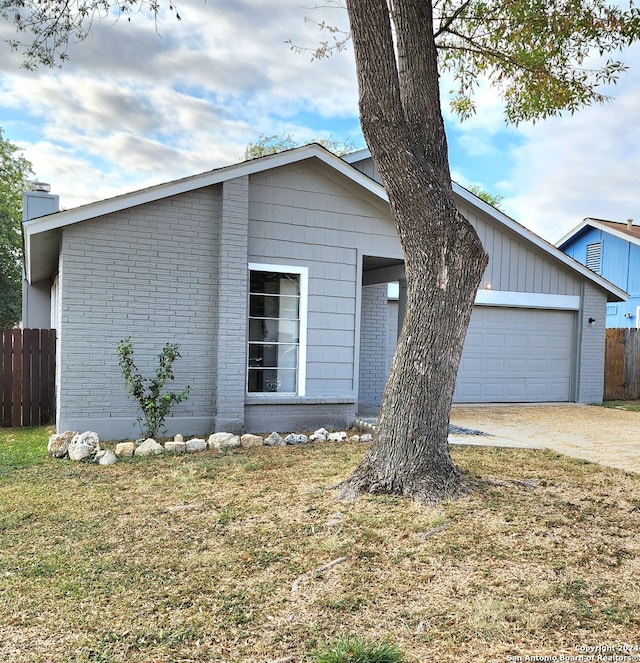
<point x="632" y="406"/>
<point x="23" y="447"/>
<point x="346" y="649"/>
<point x="195" y="558"/>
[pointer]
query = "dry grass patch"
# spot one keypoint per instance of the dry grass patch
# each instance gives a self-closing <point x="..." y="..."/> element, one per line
<point x="194" y="558"/>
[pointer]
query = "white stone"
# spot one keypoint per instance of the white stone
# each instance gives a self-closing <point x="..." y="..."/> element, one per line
<point x="274" y="440"/>
<point x="178" y="438"/>
<point x="354" y="438"/>
<point x="196" y="444"/>
<point x="84" y="446"/>
<point x="107" y="457"/>
<point x="248" y="441"/>
<point x="340" y="436"/>
<point x="174" y="447"/>
<point x="125" y="449"/>
<point x="59" y="443"/>
<point x="149" y="448"/>
<point x="223" y="441"/>
<point x="319" y="435"/>
<point x="296" y="439"/>
<point x="367" y="437"/>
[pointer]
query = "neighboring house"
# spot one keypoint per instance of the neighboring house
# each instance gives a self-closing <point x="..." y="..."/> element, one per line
<point x="272" y="276"/>
<point x="612" y="250"/>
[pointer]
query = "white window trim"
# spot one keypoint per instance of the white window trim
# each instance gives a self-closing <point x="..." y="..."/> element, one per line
<point x="303" y="272"/>
<point x="527" y="300"/>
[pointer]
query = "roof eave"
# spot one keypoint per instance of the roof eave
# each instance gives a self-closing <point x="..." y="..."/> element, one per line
<point x="614" y="294"/>
<point x="42" y="227"/>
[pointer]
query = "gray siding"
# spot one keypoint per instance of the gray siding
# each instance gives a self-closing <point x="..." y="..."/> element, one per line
<point x="514" y="266"/>
<point x="366" y="166"/>
<point x="300" y="216"/>
<point x="36" y="297"/>
<point x="36" y="305"/>
<point x="591" y="339"/>
<point x="150" y="273"/>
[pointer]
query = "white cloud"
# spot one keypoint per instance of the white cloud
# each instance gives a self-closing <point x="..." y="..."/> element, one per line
<point x="135" y="106"/>
<point x="581" y="165"/>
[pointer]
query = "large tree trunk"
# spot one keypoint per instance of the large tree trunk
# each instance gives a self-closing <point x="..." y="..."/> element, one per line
<point x="402" y="122"/>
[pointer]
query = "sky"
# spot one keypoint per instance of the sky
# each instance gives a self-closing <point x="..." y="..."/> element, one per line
<point x="140" y="104"/>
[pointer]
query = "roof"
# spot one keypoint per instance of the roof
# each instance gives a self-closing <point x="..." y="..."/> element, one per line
<point x="614" y="293"/>
<point x="615" y="228"/>
<point x="41" y="234"/>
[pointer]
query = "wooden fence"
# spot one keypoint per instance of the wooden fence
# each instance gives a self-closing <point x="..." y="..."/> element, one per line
<point x="27" y="377"/>
<point x="622" y="364"/>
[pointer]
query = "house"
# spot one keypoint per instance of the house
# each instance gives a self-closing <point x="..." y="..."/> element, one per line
<point x="272" y="276"/>
<point x="611" y="249"/>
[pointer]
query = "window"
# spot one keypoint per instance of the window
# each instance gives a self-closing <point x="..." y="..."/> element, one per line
<point x="594" y="254"/>
<point x="277" y="329"/>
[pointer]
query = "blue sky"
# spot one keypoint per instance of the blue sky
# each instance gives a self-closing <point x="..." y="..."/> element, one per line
<point x="136" y="106"/>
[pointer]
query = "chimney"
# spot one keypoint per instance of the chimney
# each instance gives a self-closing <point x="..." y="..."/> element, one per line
<point x="629" y="223"/>
<point x="39" y="201"/>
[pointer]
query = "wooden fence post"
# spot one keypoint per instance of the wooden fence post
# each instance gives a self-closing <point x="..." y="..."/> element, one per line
<point x="16" y="388"/>
<point x="6" y="378"/>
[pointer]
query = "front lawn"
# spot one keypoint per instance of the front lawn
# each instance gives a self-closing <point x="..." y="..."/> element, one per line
<point x="211" y="557"/>
<point x="22" y="447"/>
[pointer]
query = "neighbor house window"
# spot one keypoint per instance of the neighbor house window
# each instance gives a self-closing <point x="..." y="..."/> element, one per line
<point x="594" y="257"/>
<point x="277" y="329"/>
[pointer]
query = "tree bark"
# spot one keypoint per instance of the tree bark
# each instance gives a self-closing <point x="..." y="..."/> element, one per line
<point x="444" y="259"/>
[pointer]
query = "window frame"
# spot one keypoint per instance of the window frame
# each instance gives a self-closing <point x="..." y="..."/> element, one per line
<point x="301" y="368"/>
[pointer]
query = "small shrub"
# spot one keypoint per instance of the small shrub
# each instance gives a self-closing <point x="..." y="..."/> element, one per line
<point x="347" y="649"/>
<point x="154" y="404"/>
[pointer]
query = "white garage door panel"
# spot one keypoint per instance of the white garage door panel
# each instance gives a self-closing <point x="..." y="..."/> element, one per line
<point x="516" y="355"/>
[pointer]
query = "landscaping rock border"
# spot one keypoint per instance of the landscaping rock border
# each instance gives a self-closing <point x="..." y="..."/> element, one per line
<point x="85" y="447"/>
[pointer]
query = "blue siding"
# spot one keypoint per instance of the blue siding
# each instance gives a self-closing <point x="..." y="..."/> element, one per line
<point x="577" y="249"/>
<point x="633" y="276"/>
<point x="615" y="260"/>
<point x="620" y="264"/>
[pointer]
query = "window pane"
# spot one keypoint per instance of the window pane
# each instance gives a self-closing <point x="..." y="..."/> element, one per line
<point x="272" y="380"/>
<point x="274" y="283"/>
<point x="269" y="306"/>
<point x="274" y="331"/>
<point x="267" y="355"/>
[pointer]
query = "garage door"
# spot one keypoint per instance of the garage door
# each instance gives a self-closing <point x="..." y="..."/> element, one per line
<point x="516" y="355"/>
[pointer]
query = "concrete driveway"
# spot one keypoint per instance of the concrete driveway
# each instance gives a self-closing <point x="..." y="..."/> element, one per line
<point x="602" y="435"/>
